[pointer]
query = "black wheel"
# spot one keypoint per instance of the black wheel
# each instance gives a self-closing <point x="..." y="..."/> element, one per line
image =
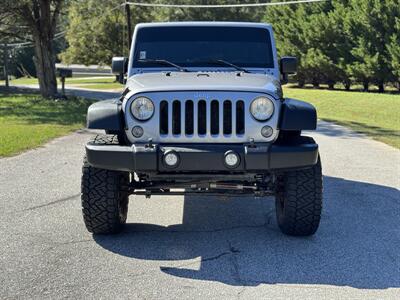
<point x="299" y="201"/>
<point x="104" y="201"/>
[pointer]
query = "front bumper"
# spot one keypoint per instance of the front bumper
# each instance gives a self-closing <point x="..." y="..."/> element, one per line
<point x="203" y="158"/>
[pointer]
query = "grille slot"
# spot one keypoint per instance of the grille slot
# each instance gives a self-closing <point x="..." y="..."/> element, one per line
<point x="163" y="117"/>
<point x="176" y="117"/>
<point x="227" y="117"/>
<point x="200" y="118"/>
<point x="214" y="117"/>
<point x="189" y="124"/>
<point x="240" y="117"/>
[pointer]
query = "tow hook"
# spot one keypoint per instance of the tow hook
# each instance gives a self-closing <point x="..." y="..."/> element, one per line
<point x="252" y="144"/>
<point x="150" y="144"/>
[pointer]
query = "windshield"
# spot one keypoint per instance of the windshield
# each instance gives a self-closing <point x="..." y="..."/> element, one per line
<point x="201" y="46"/>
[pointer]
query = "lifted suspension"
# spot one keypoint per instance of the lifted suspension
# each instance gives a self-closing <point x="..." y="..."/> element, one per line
<point x="262" y="187"/>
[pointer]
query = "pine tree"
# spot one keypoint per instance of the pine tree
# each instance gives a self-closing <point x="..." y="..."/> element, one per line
<point x="287" y="22"/>
<point x="394" y="52"/>
<point x="372" y="26"/>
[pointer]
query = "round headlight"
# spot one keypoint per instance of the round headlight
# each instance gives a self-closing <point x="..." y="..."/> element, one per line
<point x="142" y="108"/>
<point x="262" y="108"/>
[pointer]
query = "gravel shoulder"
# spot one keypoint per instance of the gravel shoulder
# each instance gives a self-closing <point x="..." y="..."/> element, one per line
<point x="194" y="247"/>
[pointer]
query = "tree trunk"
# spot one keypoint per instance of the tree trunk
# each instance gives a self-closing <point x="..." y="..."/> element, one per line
<point x="365" y="85"/>
<point x="315" y="83"/>
<point x="42" y="17"/>
<point x="331" y="85"/>
<point x="45" y="67"/>
<point x="5" y="67"/>
<point x="381" y="87"/>
<point x="347" y="85"/>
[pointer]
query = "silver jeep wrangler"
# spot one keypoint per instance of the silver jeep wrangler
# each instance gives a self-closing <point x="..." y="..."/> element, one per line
<point x="202" y="113"/>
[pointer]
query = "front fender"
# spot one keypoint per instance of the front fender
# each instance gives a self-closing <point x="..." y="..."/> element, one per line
<point x="106" y="114"/>
<point x="297" y="115"/>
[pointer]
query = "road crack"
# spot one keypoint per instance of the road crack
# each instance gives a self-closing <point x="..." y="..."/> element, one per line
<point x="51" y="203"/>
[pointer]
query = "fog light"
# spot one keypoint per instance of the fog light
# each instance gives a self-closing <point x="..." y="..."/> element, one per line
<point x="232" y="159"/>
<point x="171" y="159"/>
<point x="137" y="131"/>
<point x="266" y="131"/>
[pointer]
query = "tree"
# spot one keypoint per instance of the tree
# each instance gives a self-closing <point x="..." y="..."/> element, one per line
<point x="325" y="31"/>
<point x="340" y="40"/>
<point x="319" y="68"/>
<point x="252" y="14"/>
<point x="372" y="26"/>
<point x="287" y="23"/>
<point x="97" y="31"/>
<point x="394" y="52"/>
<point x="39" y="19"/>
<point x="300" y="31"/>
<point x="343" y="42"/>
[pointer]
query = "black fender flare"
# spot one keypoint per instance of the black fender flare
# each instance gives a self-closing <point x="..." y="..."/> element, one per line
<point x="297" y="115"/>
<point x="106" y="114"/>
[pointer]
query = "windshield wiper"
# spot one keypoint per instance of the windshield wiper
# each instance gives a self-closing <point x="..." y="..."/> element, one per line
<point x="163" y="62"/>
<point x="227" y="63"/>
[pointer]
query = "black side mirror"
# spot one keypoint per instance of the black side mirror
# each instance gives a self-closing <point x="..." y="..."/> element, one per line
<point x="288" y="65"/>
<point x="119" y="67"/>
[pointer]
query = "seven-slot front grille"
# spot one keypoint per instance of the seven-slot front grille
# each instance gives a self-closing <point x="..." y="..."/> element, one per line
<point x="202" y="117"/>
<point x="187" y="117"/>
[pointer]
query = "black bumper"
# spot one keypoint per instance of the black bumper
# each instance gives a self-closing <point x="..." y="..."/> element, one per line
<point x="202" y="158"/>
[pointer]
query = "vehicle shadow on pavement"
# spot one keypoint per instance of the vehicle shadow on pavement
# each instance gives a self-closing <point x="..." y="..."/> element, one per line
<point x="237" y="242"/>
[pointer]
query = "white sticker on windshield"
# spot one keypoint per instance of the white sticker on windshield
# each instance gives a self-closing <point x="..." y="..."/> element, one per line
<point x="142" y="55"/>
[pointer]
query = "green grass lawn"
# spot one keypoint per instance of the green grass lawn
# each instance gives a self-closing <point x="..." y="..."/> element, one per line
<point x="102" y="83"/>
<point x="22" y="80"/>
<point x="100" y="86"/>
<point x="377" y="115"/>
<point x="28" y="121"/>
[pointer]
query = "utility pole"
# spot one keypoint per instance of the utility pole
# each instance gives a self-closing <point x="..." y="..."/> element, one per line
<point x="5" y="56"/>
<point x="128" y="21"/>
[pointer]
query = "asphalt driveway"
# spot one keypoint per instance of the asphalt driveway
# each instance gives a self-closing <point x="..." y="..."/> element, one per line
<point x="193" y="247"/>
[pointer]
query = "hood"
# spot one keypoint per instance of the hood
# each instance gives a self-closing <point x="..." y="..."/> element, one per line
<point x="204" y="81"/>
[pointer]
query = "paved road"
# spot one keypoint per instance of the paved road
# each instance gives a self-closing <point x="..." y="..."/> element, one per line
<point x="193" y="247"/>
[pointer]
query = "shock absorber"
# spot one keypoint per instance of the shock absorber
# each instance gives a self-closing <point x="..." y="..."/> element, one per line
<point x="227" y="186"/>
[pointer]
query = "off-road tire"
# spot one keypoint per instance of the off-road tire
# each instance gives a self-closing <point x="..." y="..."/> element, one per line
<point x="299" y="201"/>
<point x="104" y="201"/>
